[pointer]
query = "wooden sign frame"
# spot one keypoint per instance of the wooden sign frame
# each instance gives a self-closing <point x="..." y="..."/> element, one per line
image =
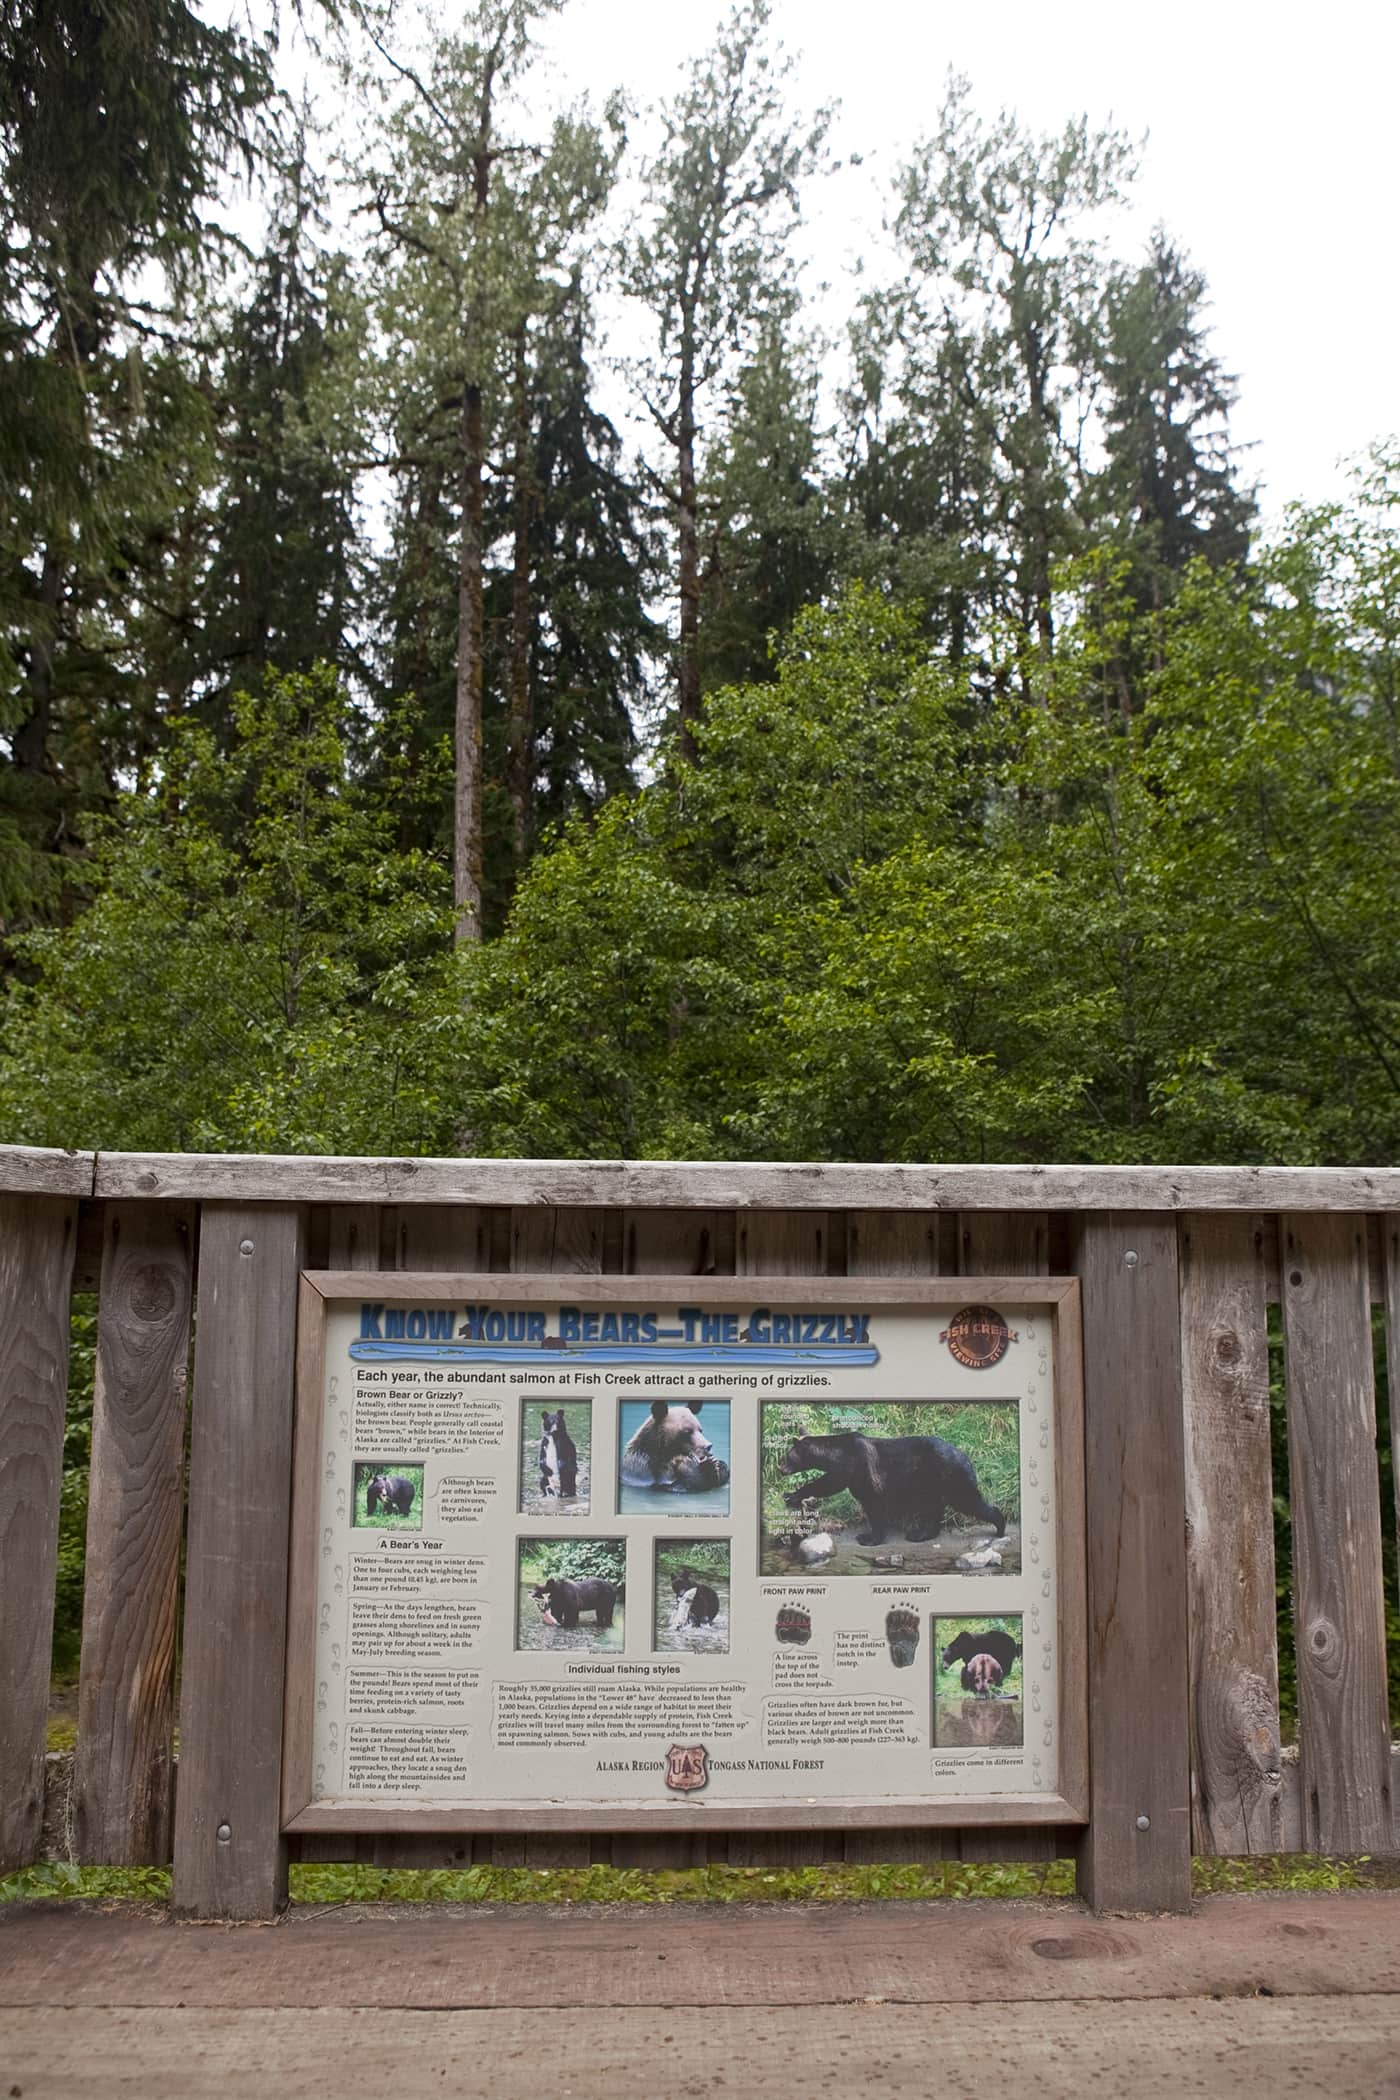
<point x="321" y="1291"/>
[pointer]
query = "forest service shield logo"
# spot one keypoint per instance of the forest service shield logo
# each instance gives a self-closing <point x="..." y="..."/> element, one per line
<point x="686" y="1767"/>
<point x="977" y="1337"/>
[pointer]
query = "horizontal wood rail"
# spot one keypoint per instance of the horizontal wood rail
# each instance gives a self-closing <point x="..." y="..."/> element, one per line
<point x="662" y="1184"/>
<point x="1193" y="1280"/>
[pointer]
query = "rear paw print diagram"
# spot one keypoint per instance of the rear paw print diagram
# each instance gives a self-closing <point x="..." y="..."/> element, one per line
<point x="325" y="1625"/>
<point x="1047" y="1576"/>
<point x="321" y="1690"/>
<point x="902" y="1633"/>
<point x="326" y="1537"/>
<point x="340" y="1582"/>
<point x="335" y="1658"/>
<point x="1033" y="1472"/>
<point x="1045" y="1509"/>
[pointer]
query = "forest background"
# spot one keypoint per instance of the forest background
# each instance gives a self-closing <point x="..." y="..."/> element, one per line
<point x="912" y="748"/>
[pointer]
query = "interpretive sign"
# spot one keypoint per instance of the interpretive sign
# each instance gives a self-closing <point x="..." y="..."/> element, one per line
<point x="755" y="1551"/>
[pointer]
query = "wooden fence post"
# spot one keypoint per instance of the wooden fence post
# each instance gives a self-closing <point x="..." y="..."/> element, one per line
<point x="1338" y="1598"/>
<point x="124" y="1766"/>
<point x="1136" y="1852"/>
<point x="230" y="1858"/>
<point x="38" y="1235"/>
<point x="1237" y="1779"/>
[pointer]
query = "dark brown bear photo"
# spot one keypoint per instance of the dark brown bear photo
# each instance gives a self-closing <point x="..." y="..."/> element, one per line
<point x="977" y="1683"/>
<point x="570" y="1595"/>
<point x="891" y="1488"/>
<point x="690" y="1609"/>
<point x="674" y="1458"/>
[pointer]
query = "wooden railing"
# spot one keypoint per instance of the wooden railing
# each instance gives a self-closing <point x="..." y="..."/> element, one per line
<point x="1179" y="1268"/>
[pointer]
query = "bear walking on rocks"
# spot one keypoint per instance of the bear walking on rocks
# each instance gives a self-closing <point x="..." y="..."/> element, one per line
<point x="904" y="1484"/>
<point x="671" y="1451"/>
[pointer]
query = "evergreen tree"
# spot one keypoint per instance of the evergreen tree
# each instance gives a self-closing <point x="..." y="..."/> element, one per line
<point x="1169" y="484"/>
<point x="998" y="226"/>
<point x="282" y="589"/>
<point x="710" y="265"/>
<point x="114" y="127"/>
<point x="767" y="546"/>
<point x="476" y="227"/>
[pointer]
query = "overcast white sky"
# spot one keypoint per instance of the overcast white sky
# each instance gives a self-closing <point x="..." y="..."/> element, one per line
<point x="1270" y="155"/>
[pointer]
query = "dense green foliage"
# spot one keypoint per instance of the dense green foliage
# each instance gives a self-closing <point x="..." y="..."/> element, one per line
<point x="699" y="1884"/>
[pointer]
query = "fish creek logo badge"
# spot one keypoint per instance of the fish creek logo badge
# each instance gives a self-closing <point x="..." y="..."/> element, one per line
<point x="686" y="1768"/>
<point x="978" y="1337"/>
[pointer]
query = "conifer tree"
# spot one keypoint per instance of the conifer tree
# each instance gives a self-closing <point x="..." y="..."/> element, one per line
<point x="709" y="264"/>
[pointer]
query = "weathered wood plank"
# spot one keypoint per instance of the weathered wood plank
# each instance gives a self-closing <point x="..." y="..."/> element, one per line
<point x="124" y="1777"/>
<point x="1338" y="1600"/>
<point x="996" y="1847"/>
<point x="1237" y="1783"/>
<point x="230" y="1861"/>
<point x="567" y="1242"/>
<point x="445" y="1236"/>
<point x="785" y="1851"/>
<point x="678" y="1243"/>
<point x="1003" y="1243"/>
<point x="87" y="1258"/>
<point x="36" y="1170"/>
<point x="354" y="1236"/>
<point x="892" y="1243"/>
<point x="38" y="1235"/>
<point x="903" y="1848"/>
<point x="781" y="1243"/>
<point x="715" y="1185"/>
<point x="550" y="1850"/>
<point x="1136" y="1564"/>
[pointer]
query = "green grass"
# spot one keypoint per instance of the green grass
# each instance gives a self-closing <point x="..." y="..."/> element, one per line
<point x="600" y="1884"/>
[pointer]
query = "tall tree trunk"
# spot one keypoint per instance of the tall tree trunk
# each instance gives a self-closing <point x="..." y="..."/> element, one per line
<point x="688" y="535"/>
<point x="521" y="739"/>
<point x="466" y="828"/>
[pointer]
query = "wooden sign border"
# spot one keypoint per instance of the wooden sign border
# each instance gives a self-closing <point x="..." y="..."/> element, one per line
<point x="320" y="1289"/>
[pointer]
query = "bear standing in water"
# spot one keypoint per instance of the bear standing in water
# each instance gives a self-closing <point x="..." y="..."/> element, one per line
<point x="671" y="1451"/>
<point x="905" y="1484"/>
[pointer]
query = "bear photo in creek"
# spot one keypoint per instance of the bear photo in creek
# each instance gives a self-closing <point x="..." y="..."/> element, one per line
<point x="990" y="1641"/>
<point x="570" y="1594"/>
<point x="670" y="1451"/>
<point x="978" y="1683"/>
<point x="904" y="1484"/>
<point x="563" y="1599"/>
<point x="696" y="1603"/>
<point x="691" y="1596"/>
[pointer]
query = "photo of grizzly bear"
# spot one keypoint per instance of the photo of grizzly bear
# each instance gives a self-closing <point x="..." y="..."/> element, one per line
<point x="916" y="1487"/>
<point x="985" y="1641"/>
<point x="570" y="1594"/>
<point x="562" y="1600"/>
<point x="978" y="1683"/>
<point x="904" y="1484"/>
<point x="691" y="1594"/>
<point x="667" y="1450"/>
